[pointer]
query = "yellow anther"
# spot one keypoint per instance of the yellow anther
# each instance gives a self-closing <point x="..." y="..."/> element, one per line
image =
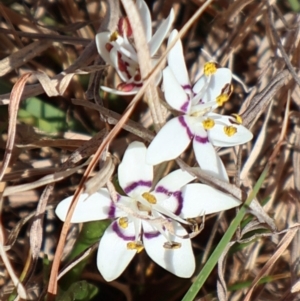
<point x="208" y="123"/>
<point x="135" y="245"/>
<point x="238" y="118"/>
<point x="149" y="197"/>
<point x="172" y="245"/>
<point x="123" y="222"/>
<point x="221" y="99"/>
<point x="230" y="130"/>
<point x="210" y="68"/>
<point x="113" y="36"/>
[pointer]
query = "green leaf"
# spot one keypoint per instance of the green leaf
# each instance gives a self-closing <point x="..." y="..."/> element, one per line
<point x="42" y="115"/>
<point x="91" y="232"/>
<point x="78" y="291"/>
<point x="295" y="5"/>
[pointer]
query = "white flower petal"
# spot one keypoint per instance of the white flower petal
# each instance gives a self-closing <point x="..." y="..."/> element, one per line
<point x="115" y="60"/>
<point x="175" y="94"/>
<point x="160" y="34"/>
<point x="177" y="63"/>
<point x="102" y="39"/>
<point x="170" y="141"/>
<point x="207" y="157"/>
<point x="201" y="199"/>
<point x="135" y="176"/>
<point x="181" y="261"/>
<point x="217" y="83"/>
<point x="125" y="47"/>
<point x="171" y="183"/>
<point x="218" y="137"/>
<point x="201" y="84"/>
<point x="145" y="18"/>
<point x="119" y="92"/>
<point x="95" y="207"/>
<point x="113" y="256"/>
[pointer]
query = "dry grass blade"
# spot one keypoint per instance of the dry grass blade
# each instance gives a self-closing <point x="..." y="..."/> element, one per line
<point x="17" y="59"/>
<point x="36" y="230"/>
<point x="113" y="118"/>
<point x="13" y="107"/>
<point x="284" y="243"/>
<point x="58" y="176"/>
<point x="18" y="285"/>
<point x="221" y="283"/>
<point x="260" y="101"/>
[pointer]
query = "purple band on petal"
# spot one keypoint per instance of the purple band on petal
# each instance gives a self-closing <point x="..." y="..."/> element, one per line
<point x="185" y="106"/>
<point x="118" y="231"/>
<point x="183" y="123"/>
<point x="202" y="140"/>
<point x="176" y="194"/>
<point x="161" y="189"/>
<point x="134" y="185"/>
<point x="150" y="235"/>
<point x="187" y="87"/>
<point x="179" y="198"/>
<point x="111" y="210"/>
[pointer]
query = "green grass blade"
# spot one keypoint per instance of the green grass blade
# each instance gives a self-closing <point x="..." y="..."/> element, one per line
<point x="212" y="261"/>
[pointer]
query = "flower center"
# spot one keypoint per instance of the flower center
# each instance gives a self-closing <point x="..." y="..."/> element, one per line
<point x="210" y="68"/>
<point x="135" y="245"/>
<point x="208" y="123"/>
<point x="123" y="222"/>
<point x="149" y="198"/>
<point x="230" y="130"/>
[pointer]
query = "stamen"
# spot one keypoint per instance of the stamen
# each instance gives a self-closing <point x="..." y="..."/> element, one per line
<point x="135" y="245"/>
<point x="113" y="36"/>
<point x="210" y="68"/>
<point x="208" y="123"/>
<point x="238" y="118"/>
<point x="221" y="99"/>
<point x="123" y="222"/>
<point x="149" y="197"/>
<point x="172" y="245"/>
<point x="230" y="130"/>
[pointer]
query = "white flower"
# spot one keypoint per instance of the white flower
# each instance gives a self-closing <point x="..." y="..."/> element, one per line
<point x="147" y="218"/>
<point x="197" y="121"/>
<point x="117" y="49"/>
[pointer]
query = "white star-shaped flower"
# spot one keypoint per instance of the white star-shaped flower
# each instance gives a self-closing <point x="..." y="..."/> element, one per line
<point x="197" y="122"/>
<point x="118" y="50"/>
<point x="145" y="217"/>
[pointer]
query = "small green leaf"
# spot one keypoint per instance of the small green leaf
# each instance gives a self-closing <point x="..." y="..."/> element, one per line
<point x="42" y="115"/>
<point x="78" y="291"/>
<point x="295" y="5"/>
<point x="91" y="232"/>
